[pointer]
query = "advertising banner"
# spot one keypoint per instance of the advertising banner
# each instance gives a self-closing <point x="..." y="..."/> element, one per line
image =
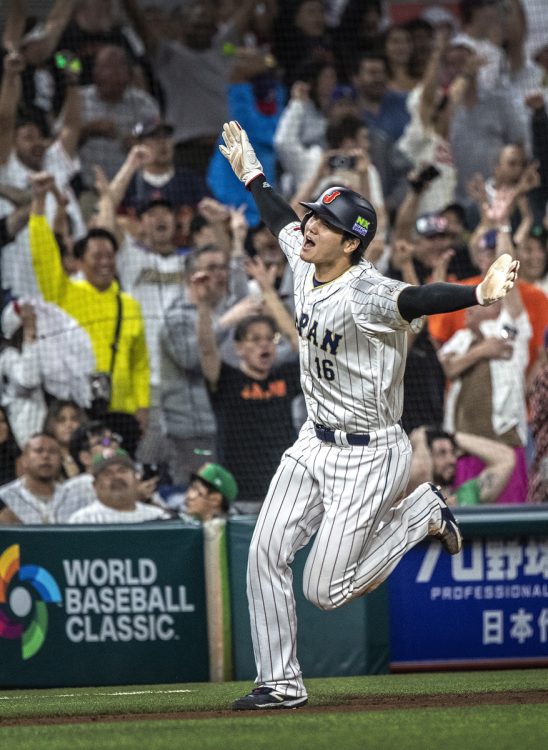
<point x="102" y="606"/>
<point x="487" y="606"/>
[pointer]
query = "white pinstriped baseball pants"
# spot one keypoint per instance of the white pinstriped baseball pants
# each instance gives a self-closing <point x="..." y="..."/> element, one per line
<point x="348" y="496"/>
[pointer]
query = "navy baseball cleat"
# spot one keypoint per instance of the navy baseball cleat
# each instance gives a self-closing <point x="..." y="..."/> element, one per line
<point x="449" y="533"/>
<point x="266" y="697"/>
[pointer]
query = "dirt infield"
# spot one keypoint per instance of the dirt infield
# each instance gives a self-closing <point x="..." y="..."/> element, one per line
<point x="374" y="703"/>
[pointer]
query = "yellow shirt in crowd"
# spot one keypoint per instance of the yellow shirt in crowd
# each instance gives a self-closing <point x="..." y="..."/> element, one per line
<point x="96" y="312"/>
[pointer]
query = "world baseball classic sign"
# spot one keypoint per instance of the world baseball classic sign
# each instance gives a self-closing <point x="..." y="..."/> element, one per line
<point x="102" y="606"/>
<point x="486" y="606"/>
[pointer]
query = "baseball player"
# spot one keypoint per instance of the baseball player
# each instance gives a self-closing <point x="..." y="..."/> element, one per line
<point x="344" y="478"/>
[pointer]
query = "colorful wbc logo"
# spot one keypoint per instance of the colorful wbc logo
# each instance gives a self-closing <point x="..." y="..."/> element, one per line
<point x="20" y="602"/>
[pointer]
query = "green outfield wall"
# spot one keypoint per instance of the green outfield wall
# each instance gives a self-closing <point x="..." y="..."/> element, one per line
<point x="128" y="605"/>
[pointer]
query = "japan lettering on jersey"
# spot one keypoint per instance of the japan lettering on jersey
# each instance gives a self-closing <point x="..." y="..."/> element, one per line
<point x="352" y="343"/>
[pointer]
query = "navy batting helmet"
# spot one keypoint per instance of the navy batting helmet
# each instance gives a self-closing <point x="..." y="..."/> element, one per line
<point x="346" y="210"/>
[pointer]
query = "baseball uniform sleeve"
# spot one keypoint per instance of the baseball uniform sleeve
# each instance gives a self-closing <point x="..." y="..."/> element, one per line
<point x="291" y="241"/>
<point x="374" y="305"/>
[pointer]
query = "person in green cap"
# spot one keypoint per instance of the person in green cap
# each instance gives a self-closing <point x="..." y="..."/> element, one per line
<point x="212" y="488"/>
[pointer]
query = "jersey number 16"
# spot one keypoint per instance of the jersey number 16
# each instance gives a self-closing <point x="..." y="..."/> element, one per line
<point x="324" y="368"/>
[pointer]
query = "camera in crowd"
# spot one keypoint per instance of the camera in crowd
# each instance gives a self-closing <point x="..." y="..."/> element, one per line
<point x="100" y="384"/>
<point x="342" y="161"/>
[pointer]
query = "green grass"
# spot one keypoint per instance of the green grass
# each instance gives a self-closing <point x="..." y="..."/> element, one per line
<point x="498" y="727"/>
<point x="141" y="699"/>
<point x="511" y="727"/>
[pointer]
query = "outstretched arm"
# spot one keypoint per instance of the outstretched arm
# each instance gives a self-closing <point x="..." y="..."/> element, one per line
<point x="441" y="297"/>
<point x="275" y="211"/>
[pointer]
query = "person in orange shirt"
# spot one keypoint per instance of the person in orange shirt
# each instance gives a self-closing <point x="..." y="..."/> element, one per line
<point x="443" y="326"/>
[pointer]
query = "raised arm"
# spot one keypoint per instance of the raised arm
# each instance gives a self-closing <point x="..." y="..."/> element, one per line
<point x="138" y="157"/>
<point x="14" y="28"/>
<point x="59" y="16"/>
<point x="10" y="95"/>
<point x="265" y="278"/>
<point x="147" y="32"/>
<point x="440" y="297"/>
<point x="71" y="118"/>
<point x="499" y="459"/>
<point x="210" y="358"/>
<point x="431" y="78"/>
<point x="275" y="211"/>
<point x="46" y="257"/>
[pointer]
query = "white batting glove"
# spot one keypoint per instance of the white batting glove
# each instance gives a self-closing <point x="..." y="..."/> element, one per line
<point x="239" y="152"/>
<point x="498" y="280"/>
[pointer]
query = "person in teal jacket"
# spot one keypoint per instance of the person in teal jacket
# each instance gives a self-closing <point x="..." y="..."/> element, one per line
<point x="256" y="99"/>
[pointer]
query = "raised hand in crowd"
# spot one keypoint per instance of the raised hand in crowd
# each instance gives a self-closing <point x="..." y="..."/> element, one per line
<point x="238" y="230"/>
<point x="218" y="216"/>
<point x="440" y="265"/>
<point x="402" y="260"/>
<point x="250" y="305"/>
<point x="300" y="91"/>
<point x="213" y="211"/>
<point x="266" y="279"/>
<point x="42" y="183"/>
<point x="27" y="313"/>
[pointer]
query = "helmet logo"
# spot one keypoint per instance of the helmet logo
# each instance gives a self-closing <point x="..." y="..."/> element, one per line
<point x="330" y="197"/>
<point x="361" y="226"/>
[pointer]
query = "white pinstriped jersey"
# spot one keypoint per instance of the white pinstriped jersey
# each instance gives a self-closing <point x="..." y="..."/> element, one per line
<point x="352" y="341"/>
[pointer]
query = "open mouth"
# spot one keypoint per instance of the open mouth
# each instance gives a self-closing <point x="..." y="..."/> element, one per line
<point x="265" y="358"/>
<point x="308" y="243"/>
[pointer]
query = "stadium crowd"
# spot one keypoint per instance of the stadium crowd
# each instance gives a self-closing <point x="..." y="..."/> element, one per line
<point x="148" y="337"/>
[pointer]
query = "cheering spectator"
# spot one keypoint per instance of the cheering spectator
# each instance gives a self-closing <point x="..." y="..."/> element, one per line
<point x="255" y="100"/>
<point x="112" y="318"/>
<point x="422" y="31"/>
<point x="482" y="32"/>
<point x="187" y="419"/>
<point x="486" y="363"/>
<point x="24" y="151"/>
<point x="22" y="393"/>
<point x="58" y="351"/>
<point x="151" y="174"/>
<point x="248" y="400"/>
<point x="487" y="113"/>
<point x="398" y="49"/>
<point x="117" y="488"/>
<point x="443" y="326"/>
<point x="300" y="133"/>
<point x="34" y="497"/>
<point x="379" y="107"/>
<point x="425" y="140"/>
<point x="36" y="41"/>
<point x="301" y="33"/>
<point x="435" y="458"/>
<point x="94" y="26"/>
<point x="360" y="30"/>
<point x="111" y="108"/>
<point x="194" y="69"/>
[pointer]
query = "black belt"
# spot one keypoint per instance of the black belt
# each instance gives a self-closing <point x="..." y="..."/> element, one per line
<point x="328" y="436"/>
